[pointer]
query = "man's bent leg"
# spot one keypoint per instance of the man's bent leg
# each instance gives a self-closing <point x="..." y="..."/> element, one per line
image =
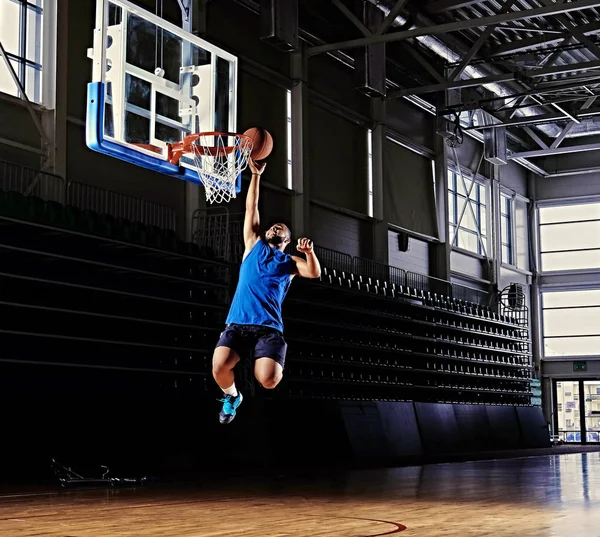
<point x="224" y="360"/>
<point x="268" y="372"/>
<point x="270" y="353"/>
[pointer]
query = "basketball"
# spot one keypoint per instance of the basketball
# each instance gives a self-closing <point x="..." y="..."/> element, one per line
<point x="262" y="143"/>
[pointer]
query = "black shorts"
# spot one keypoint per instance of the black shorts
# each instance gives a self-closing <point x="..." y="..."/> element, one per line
<point x="254" y="341"/>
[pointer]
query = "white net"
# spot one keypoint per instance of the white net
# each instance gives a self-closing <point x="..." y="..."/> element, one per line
<point x="219" y="159"/>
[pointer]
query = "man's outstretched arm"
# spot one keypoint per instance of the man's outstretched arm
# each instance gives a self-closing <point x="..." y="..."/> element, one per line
<point x="309" y="268"/>
<point x="252" y="218"/>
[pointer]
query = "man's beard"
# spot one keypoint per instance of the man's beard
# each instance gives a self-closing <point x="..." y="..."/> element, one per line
<point x="276" y="240"/>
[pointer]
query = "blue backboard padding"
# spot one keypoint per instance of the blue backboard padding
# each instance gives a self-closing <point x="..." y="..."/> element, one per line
<point x="95" y="140"/>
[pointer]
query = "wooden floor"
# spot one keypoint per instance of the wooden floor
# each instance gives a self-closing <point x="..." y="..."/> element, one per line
<point x="529" y="497"/>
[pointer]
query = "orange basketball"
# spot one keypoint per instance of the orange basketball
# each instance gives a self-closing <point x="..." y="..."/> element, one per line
<point x="262" y="143"/>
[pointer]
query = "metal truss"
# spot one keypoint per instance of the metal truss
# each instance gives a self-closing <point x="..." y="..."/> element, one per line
<point x="549" y="78"/>
<point x="552" y="9"/>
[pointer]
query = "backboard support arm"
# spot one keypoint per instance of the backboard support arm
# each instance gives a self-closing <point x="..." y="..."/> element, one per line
<point x="193" y="16"/>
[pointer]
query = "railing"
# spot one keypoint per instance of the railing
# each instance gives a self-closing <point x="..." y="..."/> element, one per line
<point x="378" y="271"/>
<point x="49" y="187"/>
<point x="333" y="259"/>
<point x="30" y="182"/>
<point x="212" y="226"/>
<point x="428" y="284"/>
<point x="102" y="201"/>
<point x="468" y="294"/>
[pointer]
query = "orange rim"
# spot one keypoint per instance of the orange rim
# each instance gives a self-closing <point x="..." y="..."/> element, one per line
<point x="176" y="150"/>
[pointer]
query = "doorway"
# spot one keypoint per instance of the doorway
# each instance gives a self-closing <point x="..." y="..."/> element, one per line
<point x="577" y="411"/>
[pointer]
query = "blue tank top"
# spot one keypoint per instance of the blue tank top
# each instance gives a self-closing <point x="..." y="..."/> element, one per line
<point x="264" y="281"/>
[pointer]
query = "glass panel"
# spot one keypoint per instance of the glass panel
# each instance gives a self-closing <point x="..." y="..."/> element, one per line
<point x="589" y="297"/>
<point x="34" y="36"/>
<point x="451" y="183"/>
<point x="468" y="241"/>
<point x="570" y="213"/>
<point x="166" y="51"/>
<point x="10" y="25"/>
<point x="567" y="411"/>
<point x="459" y="185"/>
<point x="591" y="390"/>
<point x="33" y="84"/>
<point x="475" y="192"/>
<point x="570" y="236"/>
<point x="504" y="205"/>
<point x="572" y="346"/>
<point x="222" y="95"/>
<point x="7" y="84"/>
<point x="137" y="129"/>
<point x="483" y="223"/>
<point x="506" y="257"/>
<point x="451" y="210"/>
<point x="137" y="92"/>
<point x="505" y="229"/>
<point x="167" y="107"/>
<point x="571" y="260"/>
<point x="468" y="221"/>
<point x="168" y="134"/>
<point x="584" y="321"/>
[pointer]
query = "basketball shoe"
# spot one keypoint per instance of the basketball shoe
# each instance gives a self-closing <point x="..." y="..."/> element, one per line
<point x="230" y="404"/>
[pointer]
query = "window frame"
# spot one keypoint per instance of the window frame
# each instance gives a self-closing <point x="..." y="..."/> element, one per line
<point x="542" y="330"/>
<point x="482" y="185"/>
<point x="510" y="196"/>
<point x="560" y="203"/>
<point x="43" y="93"/>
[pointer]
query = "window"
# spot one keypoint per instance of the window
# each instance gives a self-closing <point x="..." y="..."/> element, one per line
<point x="570" y="237"/>
<point x="289" y="139"/>
<point x="21" y="35"/>
<point x="370" y="172"/>
<point x="571" y="321"/>
<point x="506" y="232"/>
<point x="471" y="218"/>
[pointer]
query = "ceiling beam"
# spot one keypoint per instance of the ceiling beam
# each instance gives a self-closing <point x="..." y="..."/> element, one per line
<point x="424" y="62"/>
<point x="539" y="90"/>
<point x="553" y="9"/>
<point x="352" y="17"/>
<point x="531" y="43"/>
<point x="482" y="40"/>
<point x="575" y="31"/>
<point x="471" y="82"/>
<point x="558" y="140"/>
<point x="535" y="137"/>
<point x="556" y="151"/>
<point x="537" y="120"/>
<point x="391" y="17"/>
<point x="439" y="6"/>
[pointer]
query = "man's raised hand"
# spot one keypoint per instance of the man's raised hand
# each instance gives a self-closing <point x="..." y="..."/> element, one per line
<point x="305" y="245"/>
<point x="255" y="167"/>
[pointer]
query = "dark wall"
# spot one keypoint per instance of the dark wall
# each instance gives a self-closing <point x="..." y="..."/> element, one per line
<point x="341" y="232"/>
<point x="416" y="259"/>
<point x="514" y="176"/>
<point x="17" y="125"/>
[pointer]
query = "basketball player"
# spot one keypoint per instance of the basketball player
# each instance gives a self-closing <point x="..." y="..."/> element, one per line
<point x="254" y="324"/>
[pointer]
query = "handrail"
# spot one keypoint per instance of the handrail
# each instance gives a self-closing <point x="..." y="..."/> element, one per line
<point x="32" y="182"/>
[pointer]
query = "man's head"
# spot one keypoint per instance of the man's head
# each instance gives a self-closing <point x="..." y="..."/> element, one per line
<point x="278" y="236"/>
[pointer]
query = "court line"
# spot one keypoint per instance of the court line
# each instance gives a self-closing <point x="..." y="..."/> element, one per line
<point x="398" y="529"/>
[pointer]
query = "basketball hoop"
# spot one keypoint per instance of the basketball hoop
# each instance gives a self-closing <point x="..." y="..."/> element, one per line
<point x="219" y="159"/>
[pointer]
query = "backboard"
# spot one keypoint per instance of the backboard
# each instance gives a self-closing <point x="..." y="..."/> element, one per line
<point x="153" y="83"/>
